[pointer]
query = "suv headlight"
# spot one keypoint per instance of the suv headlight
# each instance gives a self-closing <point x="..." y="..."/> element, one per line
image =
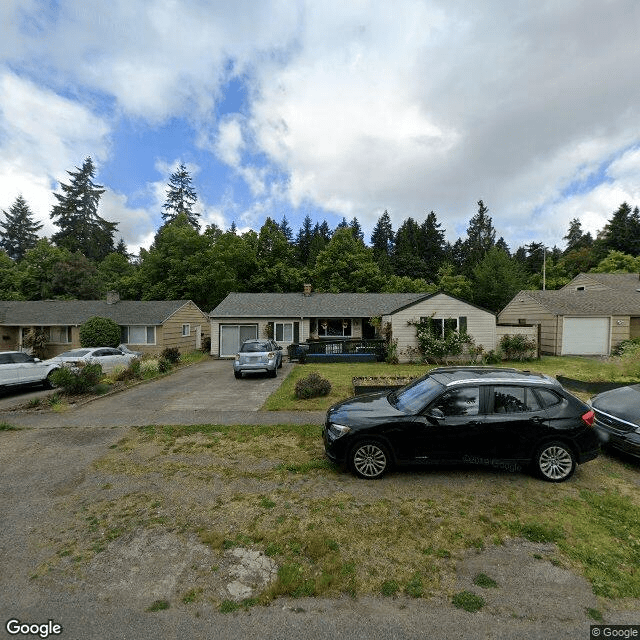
<point x="338" y="430"/>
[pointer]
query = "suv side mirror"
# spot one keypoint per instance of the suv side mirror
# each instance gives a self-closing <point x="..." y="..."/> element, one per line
<point x="435" y="413"/>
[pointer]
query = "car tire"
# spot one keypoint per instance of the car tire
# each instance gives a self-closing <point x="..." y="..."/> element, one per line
<point x="273" y="374"/>
<point x="47" y="383"/>
<point x="369" y="459"/>
<point x="555" y="462"/>
<point x="237" y="374"/>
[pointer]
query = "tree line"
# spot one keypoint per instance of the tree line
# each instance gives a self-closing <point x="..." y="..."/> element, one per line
<point x="82" y="261"/>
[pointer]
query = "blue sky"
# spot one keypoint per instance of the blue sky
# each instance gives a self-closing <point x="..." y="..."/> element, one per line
<point x="329" y="109"/>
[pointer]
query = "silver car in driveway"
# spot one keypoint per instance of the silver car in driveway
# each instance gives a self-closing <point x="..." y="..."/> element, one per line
<point x="258" y="355"/>
<point x="108" y="357"/>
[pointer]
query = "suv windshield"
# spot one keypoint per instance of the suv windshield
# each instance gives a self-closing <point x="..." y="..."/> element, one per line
<point x="416" y="396"/>
<point x="253" y="347"/>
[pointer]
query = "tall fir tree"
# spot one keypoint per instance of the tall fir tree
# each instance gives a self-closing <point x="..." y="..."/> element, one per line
<point x="481" y="237"/>
<point x="356" y="229"/>
<point x="409" y="250"/>
<point x="433" y="247"/>
<point x="382" y="242"/>
<point x="285" y="227"/>
<point x="303" y="241"/>
<point x="76" y="214"/>
<point x="19" y="231"/>
<point x="181" y="197"/>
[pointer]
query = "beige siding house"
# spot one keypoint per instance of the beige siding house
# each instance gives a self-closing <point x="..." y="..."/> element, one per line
<point x="146" y="326"/>
<point x="297" y="317"/>
<point x="588" y="316"/>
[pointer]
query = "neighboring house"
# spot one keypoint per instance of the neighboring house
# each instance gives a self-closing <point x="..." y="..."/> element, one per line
<point x="147" y="326"/>
<point x="588" y="316"/>
<point x="297" y="317"/>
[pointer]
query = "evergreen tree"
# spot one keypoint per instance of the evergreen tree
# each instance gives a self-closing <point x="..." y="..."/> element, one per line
<point x="19" y="231"/>
<point x="356" y="229"/>
<point x="576" y="238"/>
<point x="233" y="229"/>
<point x="303" y="241"/>
<point x="382" y="237"/>
<point x="76" y="214"/>
<point x="496" y="279"/>
<point x="180" y="198"/>
<point x="481" y="237"/>
<point x="433" y="246"/>
<point x="408" y="251"/>
<point x="286" y="229"/>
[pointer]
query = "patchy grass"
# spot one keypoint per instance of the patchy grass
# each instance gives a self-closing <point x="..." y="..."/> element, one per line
<point x="267" y="488"/>
<point x="5" y="426"/>
<point x="468" y="601"/>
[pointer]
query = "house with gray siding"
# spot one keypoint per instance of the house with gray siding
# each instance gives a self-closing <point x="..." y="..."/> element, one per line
<point x="588" y="316"/>
<point x="298" y="317"/>
<point x="146" y="326"/>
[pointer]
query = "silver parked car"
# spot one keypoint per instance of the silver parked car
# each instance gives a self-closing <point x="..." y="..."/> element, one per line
<point x="258" y="355"/>
<point x="19" y="368"/>
<point x="108" y="357"/>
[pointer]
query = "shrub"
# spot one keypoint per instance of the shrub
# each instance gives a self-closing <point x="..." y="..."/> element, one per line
<point x="132" y="372"/>
<point x="164" y="365"/>
<point x="172" y="354"/>
<point x="518" y="347"/>
<point x="36" y="340"/>
<point x="99" y="332"/>
<point x="627" y="348"/>
<point x="77" y="380"/>
<point x="312" y="386"/>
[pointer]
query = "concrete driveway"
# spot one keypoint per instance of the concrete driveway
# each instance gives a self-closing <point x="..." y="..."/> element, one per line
<point x="206" y="392"/>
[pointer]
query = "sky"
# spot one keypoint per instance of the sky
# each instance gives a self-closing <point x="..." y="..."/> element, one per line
<point x="327" y="108"/>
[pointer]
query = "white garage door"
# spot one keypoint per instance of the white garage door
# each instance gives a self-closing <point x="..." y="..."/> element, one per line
<point x="233" y="335"/>
<point x="585" y="336"/>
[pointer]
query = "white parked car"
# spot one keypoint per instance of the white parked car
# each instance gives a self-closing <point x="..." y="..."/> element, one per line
<point x="108" y="357"/>
<point x="19" y="368"/>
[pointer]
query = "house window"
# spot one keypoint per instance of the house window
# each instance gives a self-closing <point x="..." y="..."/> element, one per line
<point x="334" y="327"/>
<point x="442" y="327"/>
<point x="60" y="335"/>
<point x="186" y="330"/>
<point x="283" y="331"/>
<point x="138" y="334"/>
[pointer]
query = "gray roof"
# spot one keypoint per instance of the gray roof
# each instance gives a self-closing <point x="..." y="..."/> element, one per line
<point x="75" y="312"/>
<point x="587" y="303"/>
<point x="628" y="282"/>
<point x="316" y="305"/>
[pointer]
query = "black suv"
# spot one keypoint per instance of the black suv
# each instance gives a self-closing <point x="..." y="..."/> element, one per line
<point x="478" y="415"/>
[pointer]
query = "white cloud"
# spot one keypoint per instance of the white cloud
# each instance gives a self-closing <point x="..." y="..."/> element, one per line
<point x="357" y="107"/>
<point x="42" y="135"/>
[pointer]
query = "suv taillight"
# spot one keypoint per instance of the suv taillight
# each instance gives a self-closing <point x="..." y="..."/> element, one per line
<point x="589" y="417"/>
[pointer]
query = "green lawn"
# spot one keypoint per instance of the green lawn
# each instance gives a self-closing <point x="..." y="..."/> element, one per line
<point x="340" y="375"/>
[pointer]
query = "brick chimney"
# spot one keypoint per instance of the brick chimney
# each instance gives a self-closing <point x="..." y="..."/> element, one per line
<point x="113" y="297"/>
<point x="307" y="290"/>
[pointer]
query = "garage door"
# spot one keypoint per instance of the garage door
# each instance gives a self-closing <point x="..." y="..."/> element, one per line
<point x="233" y="335"/>
<point x="585" y="336"/>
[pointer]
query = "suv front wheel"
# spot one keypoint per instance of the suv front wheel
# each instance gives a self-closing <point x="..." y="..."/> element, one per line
<point x="369" y="459"/>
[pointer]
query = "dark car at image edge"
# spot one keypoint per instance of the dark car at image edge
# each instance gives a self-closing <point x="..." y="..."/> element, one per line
<point x="475" y="415"/>
<point x="617" y="419"/>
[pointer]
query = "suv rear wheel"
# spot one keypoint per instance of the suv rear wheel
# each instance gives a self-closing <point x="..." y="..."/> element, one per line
<point x="555" y="462"/>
